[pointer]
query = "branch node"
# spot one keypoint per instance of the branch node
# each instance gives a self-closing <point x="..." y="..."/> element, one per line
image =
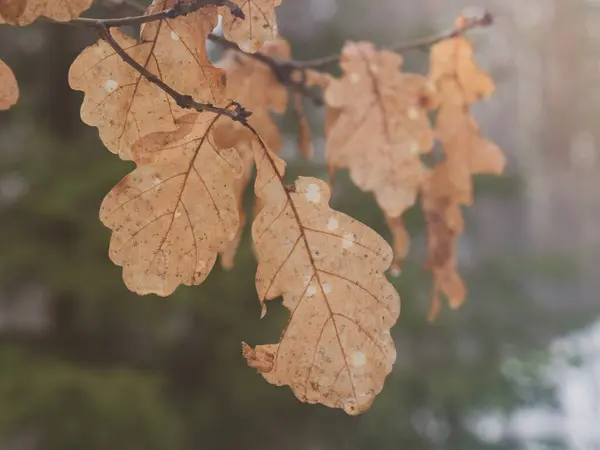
<point x="183" y="101"/>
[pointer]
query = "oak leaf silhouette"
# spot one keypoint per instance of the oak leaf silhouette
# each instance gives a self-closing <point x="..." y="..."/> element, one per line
<point x="380" y="127"/>
<point x="122" y="103"/>
<point x="336" y="348"/>
<point x="172" y="215"/>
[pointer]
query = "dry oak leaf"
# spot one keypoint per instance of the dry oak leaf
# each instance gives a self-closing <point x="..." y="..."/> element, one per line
<point x="172" y="215"/>
<point x="401" y="242"/>
<point x="9" y="89"/>
<point x="227" y="256"/>
<point x="467" y="152"/>
<point x="444" y="224"/>
<point x="455" y="74"/>
<point x="23" y="12"/>
<point x="329" y="268"/>
<point x="380" y="127"/>
<point x="122" y="103"/>
<point x="458" y="83"/>
<point x="252" y="84"/>
<point x="304" y="132"/>
<point x="309" y="78"/>
<point x="259" y="26"/>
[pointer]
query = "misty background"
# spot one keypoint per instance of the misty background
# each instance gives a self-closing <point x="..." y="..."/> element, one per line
<point x="85" y="364"/>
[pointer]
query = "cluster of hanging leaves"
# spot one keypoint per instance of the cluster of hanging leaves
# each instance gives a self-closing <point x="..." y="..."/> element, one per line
<point x="375" y="106"/>
<point x="180" y="208"/>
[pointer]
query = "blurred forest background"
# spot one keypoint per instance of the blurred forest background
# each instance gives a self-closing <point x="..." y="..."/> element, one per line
<point x="84" y="364"/>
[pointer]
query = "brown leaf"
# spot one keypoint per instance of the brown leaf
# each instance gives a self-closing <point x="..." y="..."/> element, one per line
<point x="379" y="128"/>
<point x="23" y="12"/>
<point x="304" y="133"/>
<point x="458" y="79"/>
<point x="122" y="103"/>
<point x="239" y="188"/>
<point x="336" y="348"/>
<point x="174" y="213"/>
<point x="467" y="152"/>
<point x="9" y="89"/>
<point x="258" y="27"/>
<point x="456" y="82"/>
<point x="401" y="240"/>
<point x="459" y="83"/>
<point x="252" y="84"/>
<point x="444" y="224"/>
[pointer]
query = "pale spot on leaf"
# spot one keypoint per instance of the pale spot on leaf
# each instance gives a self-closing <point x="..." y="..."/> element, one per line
<point x="332" y="224"/>
<point x="313" y="193"/>
<point x="413" y="147"/>
<point x="111" y="86"/>
<point x="413" y="114"/>
<point x="358" y="359"/>
<point x="348" y="240"/>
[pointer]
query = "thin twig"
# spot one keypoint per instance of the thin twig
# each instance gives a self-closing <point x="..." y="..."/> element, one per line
<point x="179" y="8"/>
<point x="289" y="72"/>
<point x="283" y="69"/>
<point x="483" y="20"/>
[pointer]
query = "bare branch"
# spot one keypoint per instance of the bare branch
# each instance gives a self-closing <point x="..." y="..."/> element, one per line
<point x="480" y="21"/>
<point x="180" y="8"/>
<point x="289" y="72"/>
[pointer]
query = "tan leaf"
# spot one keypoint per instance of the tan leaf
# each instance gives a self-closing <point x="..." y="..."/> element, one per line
<point x="467" y="152"/>
<point x="9" y="89"/>
<point x="336" y="348"/>
<point x="304" y="132"/>
<point x="23" y="12"/>
<point x="174" y="213"/>
<point x="379" y="128"/>
<point x="444" y="224"/>
<point x="122" y="103"/>
<point x="459" y="83"/>
<point x="252" y="84"/>
<point x="239" y="188"/>
<point x="258" y="27"/>
<point x="458" y="79"/>
<point x="401" y="241"/>
<point x="456" y="82"/>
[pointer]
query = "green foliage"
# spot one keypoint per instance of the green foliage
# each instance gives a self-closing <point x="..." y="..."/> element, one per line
<point x="63" y="406"/>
